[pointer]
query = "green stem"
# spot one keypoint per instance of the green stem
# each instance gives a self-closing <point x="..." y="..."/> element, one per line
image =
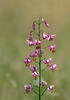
<point x="39" y="67"/>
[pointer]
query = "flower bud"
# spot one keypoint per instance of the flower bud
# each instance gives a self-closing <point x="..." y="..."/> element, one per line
<point x="42" y="19"/>
<point x="31" y="37"/>
<point x="46" y="24"/>
<point x="33" y="26"/>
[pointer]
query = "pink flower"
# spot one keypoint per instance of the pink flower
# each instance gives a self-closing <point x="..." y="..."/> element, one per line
<point x="31" y="37"/>
<point x="27" y="61"/>
<point x="46" y="24"/>
<point x="36" y="42"/>
<point x="44" y="35"/>
<point x="50" y="36"/>
<point x="33" y="26"/>
<point x="33" y="54"/>
<point x="28" y="88"/>
<point x="43" y="83"/>
<point x="52" y="48"/>
<point x="35" y="74"/>
<point x="50" y="88"/>
<point x="47" y="61"/>
<point x="42" y="19"/>
<point x="33" y="68"/>
<point x="52" y="67"/>
<point x="30" y="42"/>
<point x="37" y="51"/>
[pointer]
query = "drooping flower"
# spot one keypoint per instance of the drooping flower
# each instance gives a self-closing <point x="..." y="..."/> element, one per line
<point x="44" y="35"/>
<point x="50" y="88"/>
<point x="27" y="88"/>
<point x="33" y="26"/>
<point x="35" y="74"/>
<point x="52" y="67"/>
<point x="43" y="83"/>
<point x="33" y="54"/>
<point x="42" y="19"/>
<point x="52" y="48"/>
<point x="47" y="61"/>
<point x="37" y="51"/>
<point x="31" y="36"/>
<point x="46" y="24"/>
<point x="50" y="36"/>
<point x="27" y="61"/>
<point x="33" y="68"/>
<point x="36" y="42"/>
<point x="30" y="42"/>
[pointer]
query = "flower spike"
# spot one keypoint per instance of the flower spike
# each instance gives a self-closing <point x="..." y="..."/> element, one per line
<point x="35" y="60"/>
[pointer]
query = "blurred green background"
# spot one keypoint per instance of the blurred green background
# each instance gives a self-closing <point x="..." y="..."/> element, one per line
<point x="16" y="17"/>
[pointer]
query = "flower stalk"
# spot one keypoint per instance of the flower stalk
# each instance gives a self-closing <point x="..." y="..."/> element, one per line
<point x="39" y="66"/>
